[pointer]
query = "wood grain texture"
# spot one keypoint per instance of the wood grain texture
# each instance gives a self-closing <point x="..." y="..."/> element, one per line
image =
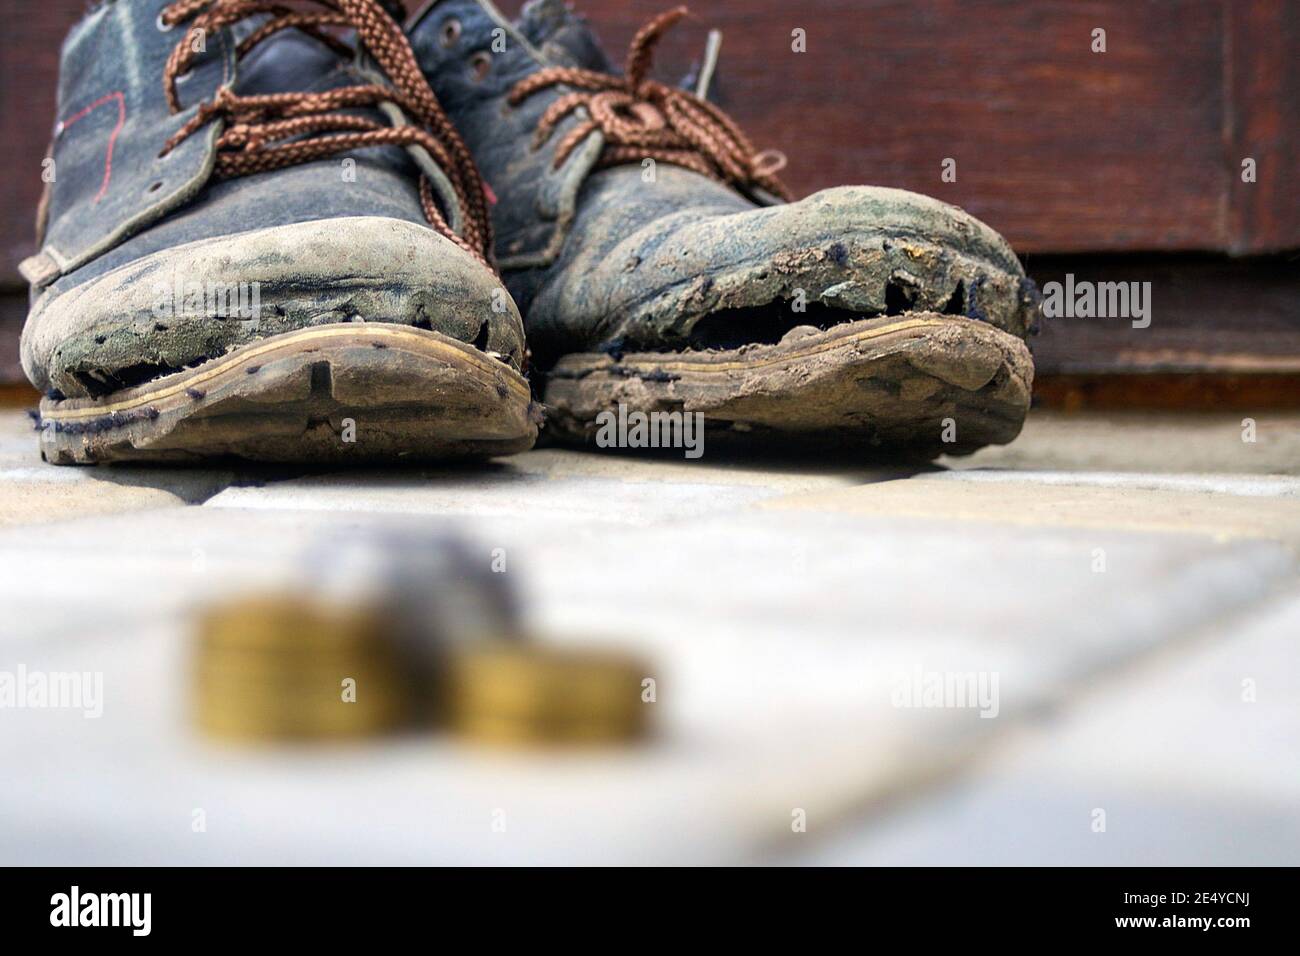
<point x="1211" y="390"/>
<point x="1207" y="314"/>
<point x="1060" y="148"/>
<point x="13" y="312"/>
<point x="1262" y="73"/>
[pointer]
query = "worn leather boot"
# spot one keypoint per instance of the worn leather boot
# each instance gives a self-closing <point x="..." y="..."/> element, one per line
<point x="265" y="242"/>
<point x="660" y="266"/>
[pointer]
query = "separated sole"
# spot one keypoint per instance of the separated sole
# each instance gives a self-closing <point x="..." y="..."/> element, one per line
<point x="915" y="386"/>
<point x="330" y="393"/>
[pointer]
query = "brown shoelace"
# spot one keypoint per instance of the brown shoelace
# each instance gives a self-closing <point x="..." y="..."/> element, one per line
<point x="642" y="118"/>
<point x="275" y="130"/>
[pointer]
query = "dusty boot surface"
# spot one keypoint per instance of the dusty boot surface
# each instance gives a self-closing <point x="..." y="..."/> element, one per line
<point x="659" y="266"/>
<point x="262" y="241"/>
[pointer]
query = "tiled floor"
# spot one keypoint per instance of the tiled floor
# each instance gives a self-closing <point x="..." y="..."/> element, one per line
<point x="1130" y="584"/>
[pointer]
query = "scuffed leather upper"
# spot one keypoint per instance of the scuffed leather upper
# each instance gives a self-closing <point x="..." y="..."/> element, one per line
<point x="112" y="122"/>
<point x="599" y="260"/>
<point x="538" y="202"/>
<point x="99" y="200"/>
<point x="117" y="209"/>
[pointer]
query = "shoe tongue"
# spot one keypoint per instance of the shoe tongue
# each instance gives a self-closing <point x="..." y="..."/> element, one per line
<point x="562" y="35"/>
<point x="289" y="62"/>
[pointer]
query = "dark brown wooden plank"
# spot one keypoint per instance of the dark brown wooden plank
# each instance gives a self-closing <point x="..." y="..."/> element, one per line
<point x="1263" y="124"/>
<point x="14" y="389"/>
<point x="13" y="311"/>
<point x="1169" y="391"/>
<point x="1208" y="314"/>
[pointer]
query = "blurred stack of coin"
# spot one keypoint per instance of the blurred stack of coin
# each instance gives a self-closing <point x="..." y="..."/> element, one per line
<point x="296" y="667"/>
<point x="394" y="627"/>
<point x="516" y="693"/>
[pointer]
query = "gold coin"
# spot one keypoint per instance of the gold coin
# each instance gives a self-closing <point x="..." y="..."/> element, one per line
<point x="292" y="624"/>
<point x="217" y="670"/>
<point x="283" y="667"/>
<point x="524" y="693"/>
<point x="274" y="712"/>
<point x="306" y="699"/>
<point x="538" y="730"/>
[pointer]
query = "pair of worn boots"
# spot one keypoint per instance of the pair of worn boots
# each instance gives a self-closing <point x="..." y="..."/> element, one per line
<point x="302" y="231"/>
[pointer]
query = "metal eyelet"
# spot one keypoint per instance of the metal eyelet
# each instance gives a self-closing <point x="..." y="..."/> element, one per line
<point x="481" y="64"/>
<point x="450" y="32"/>
<point x="163" y="27"/>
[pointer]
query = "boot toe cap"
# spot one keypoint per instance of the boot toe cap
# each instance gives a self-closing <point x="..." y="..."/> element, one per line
<point x="178" y="307"/>
<point x="865" y="250"/>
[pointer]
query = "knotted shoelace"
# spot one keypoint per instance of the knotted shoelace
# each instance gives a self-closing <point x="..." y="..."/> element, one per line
<point x="272" y="131"/>
<point x="643" y="118"/>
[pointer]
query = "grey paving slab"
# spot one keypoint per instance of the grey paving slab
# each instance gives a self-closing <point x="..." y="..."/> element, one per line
<point x="35" y="499"/>
<point x="786" y="476"/>
<point x="784" y="609"/>
<point x="1244" y="486"/>
<point x="1031" y="603"/>
<point x="75" y="577"/>
<point x="503" y="491"/>
<point x="17" y="438"/>
<point x="123" y="787"/>
<point x="780" y="640"/>
<point x="1007" y="501"/>
<point x="556" y="493"/>
<point x="1150" y="442"/>
<point x="33" y="492"/>
<point x="1191" y="758"/>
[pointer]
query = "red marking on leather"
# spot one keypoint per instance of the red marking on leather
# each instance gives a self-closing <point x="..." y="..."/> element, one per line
<point x="491" y="196"/>
<point x="112" y="137"/>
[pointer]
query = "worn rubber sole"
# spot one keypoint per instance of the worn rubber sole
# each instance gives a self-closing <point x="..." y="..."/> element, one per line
<point x="915" y="386"/>
<point x="330" y="393"/>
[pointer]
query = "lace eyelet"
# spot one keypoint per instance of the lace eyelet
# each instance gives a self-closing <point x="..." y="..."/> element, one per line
<point x="163" y="26"/>
<point x="450" y="32"/>
<point x="481" y="64"/>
